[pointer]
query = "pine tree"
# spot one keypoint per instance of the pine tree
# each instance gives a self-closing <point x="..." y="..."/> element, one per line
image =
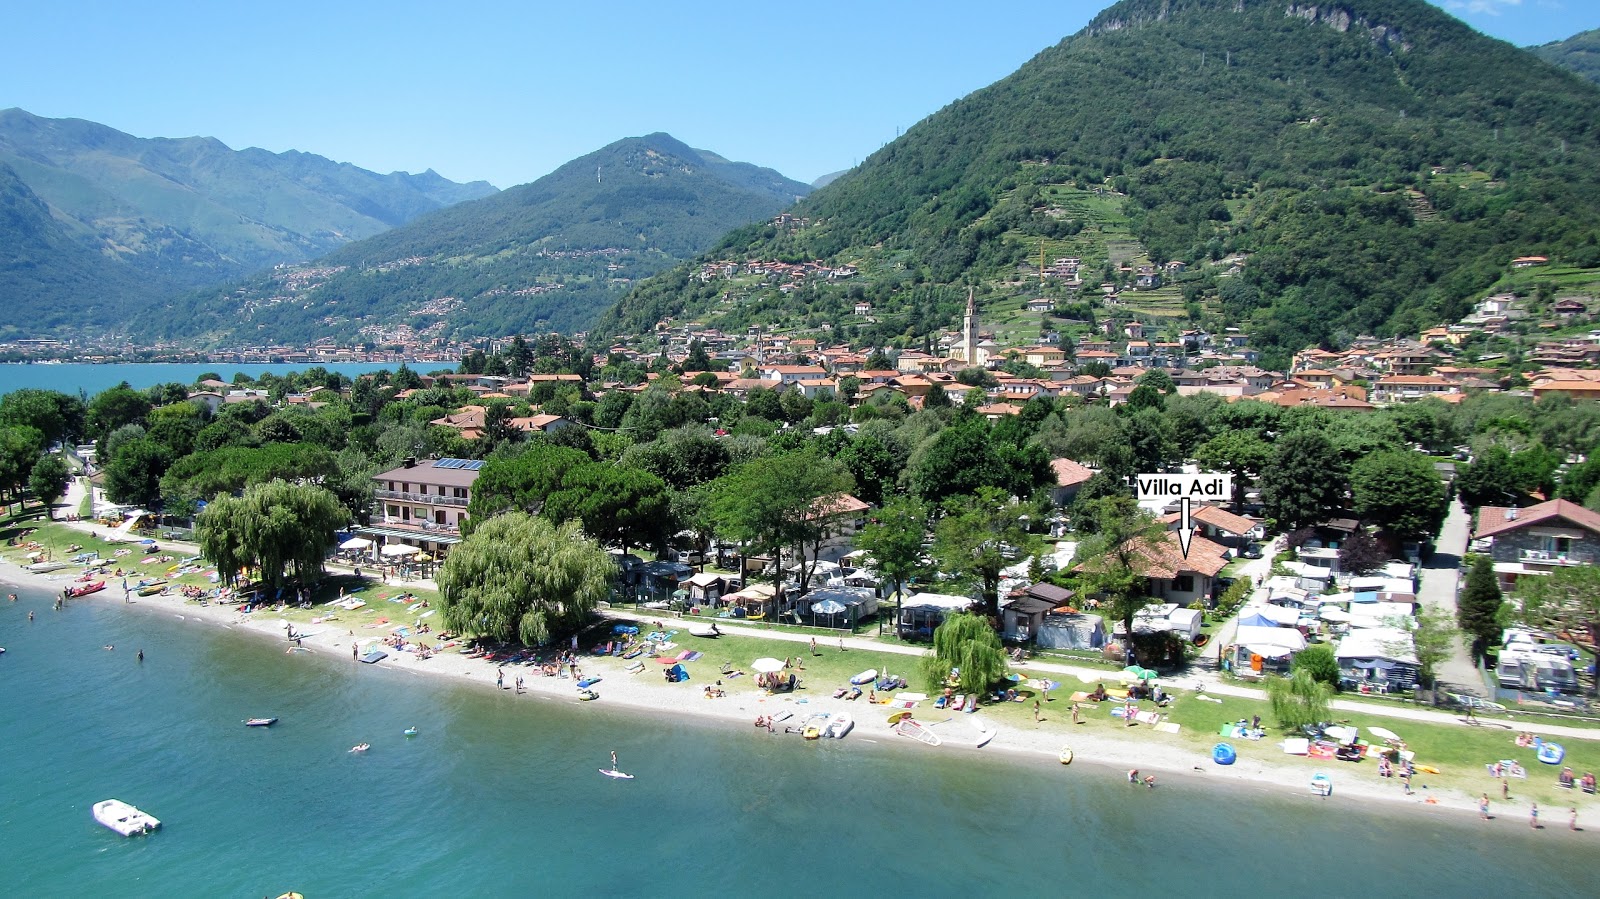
<point x="1478" y="609"/>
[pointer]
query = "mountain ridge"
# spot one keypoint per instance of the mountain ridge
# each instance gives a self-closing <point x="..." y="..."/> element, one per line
<point x="548" y="254"/>
<point x="1216" y="128"/>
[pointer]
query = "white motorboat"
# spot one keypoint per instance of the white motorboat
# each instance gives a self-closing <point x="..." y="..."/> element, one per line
<point x="704" y="630"/>
<point x="838" y="726"/>
<point x="45" y="567"/>
<point x="124" y="818"/>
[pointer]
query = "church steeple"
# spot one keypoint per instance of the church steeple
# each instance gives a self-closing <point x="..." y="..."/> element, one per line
<point x="969" y="331"/>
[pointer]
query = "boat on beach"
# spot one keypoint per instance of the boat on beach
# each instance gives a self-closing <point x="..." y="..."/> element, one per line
<point x="47" y="567"/>
<point x="152" y="588"/>
<point x="838" y="726"/>
<point x="86" y="589"/>
<point x="124" y="818"/>
<point x="916" y="730"/>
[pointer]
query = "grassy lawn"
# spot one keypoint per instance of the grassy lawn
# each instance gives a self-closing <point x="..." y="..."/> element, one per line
<point x="1460" y="753"/>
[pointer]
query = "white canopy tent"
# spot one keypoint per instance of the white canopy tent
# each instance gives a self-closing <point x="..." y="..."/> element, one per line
<point x="1270" y="642"/>
<point x="394" y="550"/>
<point x="355" y="543"/>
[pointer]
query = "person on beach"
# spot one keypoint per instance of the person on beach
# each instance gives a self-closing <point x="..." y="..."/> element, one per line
<point x="841" y="641"/>
<point x="1074" y="713"/>
<point x="1150" y="781"/>
<point x="813" y="645"/>
<point x="1405" y="780"/>
<point x="1533" y="816"/>
<point x="353" y="655"/>
<point x="1572" y="822"/>
<point x="1505" y="788"/>
<point x="500" y="678"/>
<point x="1036" y="711"/>
<point x="1133" y="776"/>
<point x="1483" y="807"/>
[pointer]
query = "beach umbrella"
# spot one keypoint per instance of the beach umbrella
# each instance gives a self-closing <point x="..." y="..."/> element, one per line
<point x="828" y="607"/>
<point x="767" y="666"/>
<point x="1383" y="733"/>
<point x="399" y="549"/>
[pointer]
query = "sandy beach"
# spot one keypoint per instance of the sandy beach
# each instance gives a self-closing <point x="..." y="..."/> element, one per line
<point x="1095" y="754"/>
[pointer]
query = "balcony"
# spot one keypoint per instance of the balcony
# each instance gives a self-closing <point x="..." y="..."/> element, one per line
<point x="1551" y="557"/>
<point x="419" y="528"/>
<point x="427" y="499"/>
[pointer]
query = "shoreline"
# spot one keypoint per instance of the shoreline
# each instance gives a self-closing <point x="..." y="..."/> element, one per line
<point x="1104" y="756"/>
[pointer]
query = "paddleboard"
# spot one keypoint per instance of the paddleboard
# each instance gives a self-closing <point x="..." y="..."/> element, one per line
<point x="616" y="774"/>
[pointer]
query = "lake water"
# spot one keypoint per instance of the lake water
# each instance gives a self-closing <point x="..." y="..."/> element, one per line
<point x="70" y="377"/>
<point x="500" y="795"/>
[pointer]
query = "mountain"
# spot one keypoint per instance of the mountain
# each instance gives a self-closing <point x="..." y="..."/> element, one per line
<point x="1580" y="53"/>
<point x="827" y="179"/>
<point x="178" y="213"/>
<point x="1321" y="170"/>
<point x="39" y="260"/>
<point x="551" y="254"/>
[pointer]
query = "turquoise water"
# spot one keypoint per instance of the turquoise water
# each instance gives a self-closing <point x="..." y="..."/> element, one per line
<point x="72" y="377"/>
<point x="500" y="795"/>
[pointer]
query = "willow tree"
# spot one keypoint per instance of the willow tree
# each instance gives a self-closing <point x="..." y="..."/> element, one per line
<point x="284" y="529"/>
<point x="1298" y="700"/>
<point x="966" y="644"/>
<point x="519" y="577"/>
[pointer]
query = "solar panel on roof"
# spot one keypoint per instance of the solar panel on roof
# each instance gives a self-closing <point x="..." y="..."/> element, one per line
<point x="463" y="464"/>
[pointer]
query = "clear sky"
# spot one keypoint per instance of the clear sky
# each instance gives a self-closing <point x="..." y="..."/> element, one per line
<point x="506" y="90"/>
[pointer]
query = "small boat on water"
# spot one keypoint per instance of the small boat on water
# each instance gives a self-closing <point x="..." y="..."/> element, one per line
<point x="124" y="818"/>
<point x="916" y="730"/>
<point x="411" y="731"/>
<point x="260" y="722"/>
<point x="86" y="589"/>
<point x="361" y="747"/>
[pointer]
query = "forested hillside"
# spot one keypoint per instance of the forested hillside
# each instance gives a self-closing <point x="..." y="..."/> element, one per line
<point x="547" y="255"/>
<point x="1580" y="53"/>
<point x="166" y="215"/>
<point x="1322" y="170"/>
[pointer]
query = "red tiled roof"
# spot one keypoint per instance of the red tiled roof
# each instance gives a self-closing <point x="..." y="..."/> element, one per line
<point x="1069" y="473"/>
<point x="1494" y="520"/>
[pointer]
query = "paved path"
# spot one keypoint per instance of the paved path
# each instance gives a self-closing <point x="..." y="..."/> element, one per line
<point x="1441" y="577"/>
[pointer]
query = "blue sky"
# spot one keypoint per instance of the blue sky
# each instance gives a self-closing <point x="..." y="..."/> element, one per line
<point x="506" y="91"/>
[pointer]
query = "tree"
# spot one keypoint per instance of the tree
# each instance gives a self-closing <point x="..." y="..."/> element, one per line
<point x="522" y="578"/>
<point x="769" y="504"/>
<point x="957" y="462"/>
<point x="1401" y="493"/>
<point x="1361" y="554"/>
<point x="980" y="536"/>
<point x="49" y="479"/>
<point x="1567" y="599"/>
<point x="1305" y="483"/>
<point x="133" y="475"/>
<point x="966" y="645"/>
<point x="57" y="416"/>
<point x="1490" y="480"/>
<point x="1318" y="661"/>
<point x="113" y="408"/>
<point x="893" y="539"/>
<point x="1298" y="700"/>
<point x="617" y="505"/>
<point x="20" y="446"/>
<point x="283" y="529"/>
<point x="1242" y="454"/>
<point x="1114" y="558"/>
<point x="522" y="483"/>
<point x="1432" y="639"/>
<point x="1478" y="609"/>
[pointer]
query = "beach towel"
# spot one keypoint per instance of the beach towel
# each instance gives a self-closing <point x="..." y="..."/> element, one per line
<point x="1147" y="717"/>
<point x="1168" y="727"/>
<point x="1080" y="696"/>
<point x="691" y="656"/>
<point x="667" y="660"/>
<point x="684" y="656"/>
<point x="903" y="703"/>
<point x="636" y="667"/>
<point x="1226" y="730"/>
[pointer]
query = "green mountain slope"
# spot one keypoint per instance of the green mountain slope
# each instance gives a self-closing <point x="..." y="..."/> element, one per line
<point x="1580" y="53"/>
<point x="546" y="255"/>
<point x="186" y="212"/>
<point x="40" y="261"/>
<point x="1365" y="166"/>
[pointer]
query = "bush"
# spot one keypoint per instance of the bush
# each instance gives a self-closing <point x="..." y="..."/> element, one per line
<point x="1318" y="661"/>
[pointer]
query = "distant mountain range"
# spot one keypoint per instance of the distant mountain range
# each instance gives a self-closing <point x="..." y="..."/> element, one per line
<point x="547" y="255"/>
<point x="1313" y="171"/>
<point x="1580" y="53"/>
<point x="165" y="215"/>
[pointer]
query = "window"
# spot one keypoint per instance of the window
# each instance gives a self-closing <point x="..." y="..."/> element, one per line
<point x="1183" y="583"/>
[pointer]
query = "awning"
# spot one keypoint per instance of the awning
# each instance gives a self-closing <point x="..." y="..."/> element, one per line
<point x="355" y="543"/>
<point x="399" y="549"/>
